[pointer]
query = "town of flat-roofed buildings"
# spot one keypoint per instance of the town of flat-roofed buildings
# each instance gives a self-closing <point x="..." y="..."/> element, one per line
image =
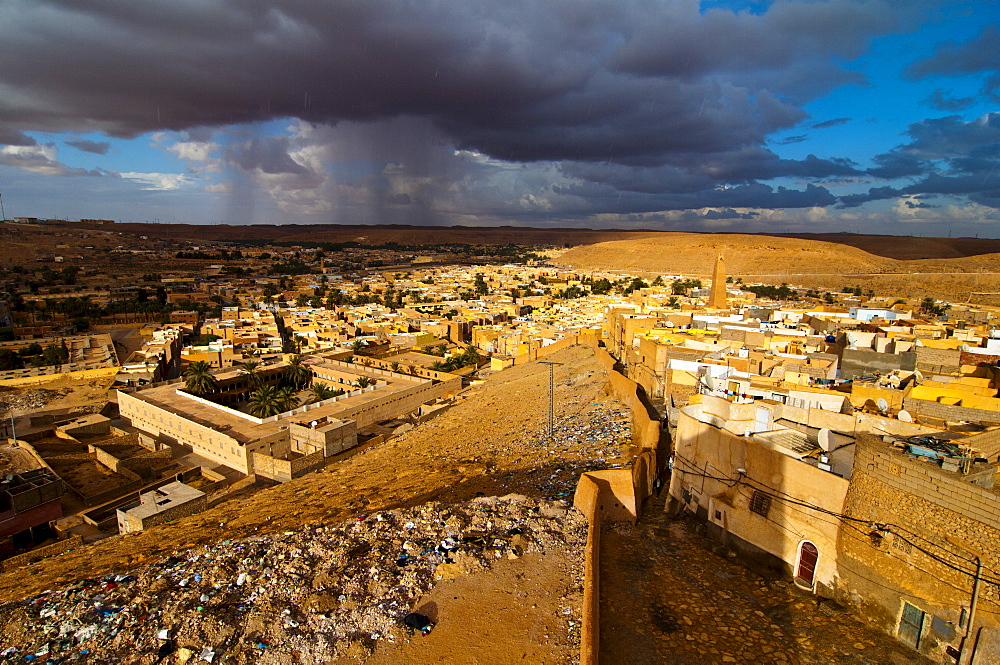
<point x="830" y="436"/>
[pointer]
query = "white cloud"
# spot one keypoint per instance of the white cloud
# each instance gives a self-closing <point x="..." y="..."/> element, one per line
<point x="158" y="181"/>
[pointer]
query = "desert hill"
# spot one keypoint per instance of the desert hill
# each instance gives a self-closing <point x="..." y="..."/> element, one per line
<point x="907" y="247"/>
<point x="694" y="253"/>
<point x="895" y="247"/>
<point x="807" y="263"/>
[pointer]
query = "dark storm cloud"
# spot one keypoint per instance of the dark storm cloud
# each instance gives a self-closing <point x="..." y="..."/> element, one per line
<point x="95" y="147"/>
<point x="268" y="154"/>
<point x="831" y="123"/>
<point x="793" y="139"/>
<point x="680" y="102"/>
<point x="13" y="137"/>
<point x="947" y="156"/>
<point x="943" y="102"/>
<point x="981" y="54"/>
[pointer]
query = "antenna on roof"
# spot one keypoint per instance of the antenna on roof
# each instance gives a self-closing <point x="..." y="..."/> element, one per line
<point x="905" y="416"/>
<point x="825" y="439"/>
<point x="883" y="406"/>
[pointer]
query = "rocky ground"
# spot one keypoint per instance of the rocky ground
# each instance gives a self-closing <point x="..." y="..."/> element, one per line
<point x="322" y="592"/>
<point x="669" y="595"/>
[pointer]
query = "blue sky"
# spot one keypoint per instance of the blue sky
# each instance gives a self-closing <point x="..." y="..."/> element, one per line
<point x="843" y="115"/>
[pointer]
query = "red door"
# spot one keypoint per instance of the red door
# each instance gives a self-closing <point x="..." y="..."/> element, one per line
<point x="808" y="555"/>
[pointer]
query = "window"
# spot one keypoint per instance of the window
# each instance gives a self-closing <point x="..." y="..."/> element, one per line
<point x="900" y="545"/>
<point x="911" y="622"/>
<point x="760" y="503"/>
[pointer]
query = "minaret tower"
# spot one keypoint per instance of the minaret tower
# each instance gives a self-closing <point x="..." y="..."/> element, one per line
<point x="717" y="300"/>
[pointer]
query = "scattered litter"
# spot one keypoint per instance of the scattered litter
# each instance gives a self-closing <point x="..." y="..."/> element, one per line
<point x="309" y="596"/>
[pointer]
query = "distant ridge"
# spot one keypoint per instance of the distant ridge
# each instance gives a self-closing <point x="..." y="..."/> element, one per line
<point x="894" y="247"/>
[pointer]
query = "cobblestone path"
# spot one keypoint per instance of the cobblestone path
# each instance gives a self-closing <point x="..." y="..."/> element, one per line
<point x="669" y="595"/>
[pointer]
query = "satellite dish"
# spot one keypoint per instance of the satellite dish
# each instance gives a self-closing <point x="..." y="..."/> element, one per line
<point x="825" y="440"/>
<point x="883" y="406"/>
<point x="918" y="376"/>
<point x="905" y="416"/>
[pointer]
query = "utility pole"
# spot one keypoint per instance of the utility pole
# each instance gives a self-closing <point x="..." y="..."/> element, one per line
<point x="552" y="408"/>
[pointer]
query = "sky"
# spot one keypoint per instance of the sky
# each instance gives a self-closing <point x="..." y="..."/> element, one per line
<point x="861" y="116"/>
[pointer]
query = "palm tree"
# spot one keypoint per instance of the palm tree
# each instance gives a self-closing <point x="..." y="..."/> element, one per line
<point x="264" y="402"/>
<point x="198" y="378"/>
<point x="320" y="392"/>
<point x="364" y="382"/>
<point x="471" y="355"/>
<point x="287" y="398"/>
<point x="438" y="366"/>
<point x="251" y="370"/>
<point x="297" y="372"/>
<point x="394" y="366"/>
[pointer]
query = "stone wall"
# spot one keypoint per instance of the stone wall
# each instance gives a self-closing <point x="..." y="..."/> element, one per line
<point x="858" y="362"/>
<point x="284" y="471"/>
<point x="922" y="407"/>
<point x="986" y="444"/>
<point x="934" y="523"/>
<point x="938" y="361"/>
<point x="40" y="553"/>
<point x="129" y="524"/>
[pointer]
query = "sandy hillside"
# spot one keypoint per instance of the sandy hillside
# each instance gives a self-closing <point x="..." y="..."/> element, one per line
<point x="490" y="444"/>
<point x="807" y="263"/>
<point x="693" y="253"/>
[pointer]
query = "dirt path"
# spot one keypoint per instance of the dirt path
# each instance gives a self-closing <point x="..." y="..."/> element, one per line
<point x="670" y="596"/>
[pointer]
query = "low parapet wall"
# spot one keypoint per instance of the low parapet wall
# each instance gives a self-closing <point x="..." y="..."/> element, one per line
<point x="615" y="494"/>
<point x="40" y="553"/>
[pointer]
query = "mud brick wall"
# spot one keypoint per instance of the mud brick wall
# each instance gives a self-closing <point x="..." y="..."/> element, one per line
<point x="986" y="444"/>
<point x="40" y="553"/>
<point x="189" y="508"/>
<point x="936" y="511"/>
<point x="858" y="362"/>
<point x="938" y="361"/>
<point x="924" y="407"/>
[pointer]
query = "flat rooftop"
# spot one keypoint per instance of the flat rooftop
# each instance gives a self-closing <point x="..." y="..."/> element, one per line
<point x="162" y="499"/>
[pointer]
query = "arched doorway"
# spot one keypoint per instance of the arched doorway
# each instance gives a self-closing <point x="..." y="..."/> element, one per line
<point x="805" y="569"/>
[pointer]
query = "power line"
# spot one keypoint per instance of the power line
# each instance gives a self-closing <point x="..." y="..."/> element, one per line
<point x="743" y="479"/>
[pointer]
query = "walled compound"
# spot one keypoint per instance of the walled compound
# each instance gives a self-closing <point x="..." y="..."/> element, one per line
<point x="287" y="444"/>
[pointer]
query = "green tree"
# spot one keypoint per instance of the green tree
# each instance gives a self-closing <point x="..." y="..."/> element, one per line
<point x="251" y="370"/>
<point x="264" y="402"/>
<point x="297" y="372"/>
<point x="288" y="398"/>
<point x="54" y="355"/>
<point x="364" y="382"/>
<point x="198" y="378"/>
<point x="10" y="360"/>
<point x="601" y="287"/>
<point x="482" y="288"/>
<point x="319" y="392"/>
